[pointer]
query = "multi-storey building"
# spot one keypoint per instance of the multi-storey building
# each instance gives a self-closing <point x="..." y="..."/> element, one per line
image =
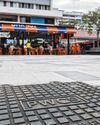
<point x="71" y="18"/>
<point x="22" y="20"/>
<point x="29" y="11"/>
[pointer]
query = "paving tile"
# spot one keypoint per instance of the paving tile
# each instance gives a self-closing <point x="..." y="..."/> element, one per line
<point x="36" y="123"/>
<point x="96" y="115"/>
<point x="50" y="122"/>
<point x="55" y="103"/>
<point x="63" y="120"/>
<point x="69" y="113"/>
<point x="32" y="118"/>
<point x="45" y="116"/>
<point x="75" y="118"/>
<point x="86" y="116"/>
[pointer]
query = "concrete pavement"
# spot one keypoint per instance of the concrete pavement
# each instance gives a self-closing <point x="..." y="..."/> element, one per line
<point x="18" y="70"/>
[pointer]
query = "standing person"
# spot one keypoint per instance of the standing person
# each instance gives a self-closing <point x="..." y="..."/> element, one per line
<point x="28" y="45"/>
<point x="49" y="49"/>
<point x="41" y="49"/>
<point x="5" y="48"/>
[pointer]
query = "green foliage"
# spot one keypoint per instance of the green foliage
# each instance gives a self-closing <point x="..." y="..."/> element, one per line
<point x="91" y="20"/>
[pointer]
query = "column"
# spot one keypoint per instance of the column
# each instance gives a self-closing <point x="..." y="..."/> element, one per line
<point x="18" y="18"/>
<point x="98" y="44"/>
<point x="93" y="44"/>
<point x="35" y="6"/>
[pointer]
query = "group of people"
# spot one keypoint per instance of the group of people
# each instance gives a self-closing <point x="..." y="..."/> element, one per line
<point x="39" y="49"/>
<point x="75" y="48"/>
<point x="44" y="48"/>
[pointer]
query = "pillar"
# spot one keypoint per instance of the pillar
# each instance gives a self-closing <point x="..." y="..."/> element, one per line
<point x="18" y="18"/>
<point x="68" y="45"/>
<point x="93" y="44"/>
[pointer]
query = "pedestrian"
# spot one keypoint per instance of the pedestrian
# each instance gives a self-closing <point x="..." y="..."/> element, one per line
<point x="28" y="45"/>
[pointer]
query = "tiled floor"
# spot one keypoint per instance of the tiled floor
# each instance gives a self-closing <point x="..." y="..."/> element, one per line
<point x="43" y="69"/>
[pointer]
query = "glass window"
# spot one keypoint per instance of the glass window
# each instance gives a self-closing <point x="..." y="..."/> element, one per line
<point x="45" y="7"/>
<point x="49" y="21"/>
<point x="29" y="5"/>
<point x="25" y="19"/>
<point x="11" y="4"/>
<point x="22" y="5"/>
<point x="48" y="7"/>
<point x="8" y="18"/>
<point x="5" y="3"/>
<point x="39" y="7"/>
<point x="26" y="5"/>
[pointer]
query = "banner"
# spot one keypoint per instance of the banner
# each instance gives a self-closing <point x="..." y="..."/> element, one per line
<point x="4" y="35"/>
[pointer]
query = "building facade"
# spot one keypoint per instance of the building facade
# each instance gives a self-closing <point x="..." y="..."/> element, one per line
<point x="71" y="18"/>
<point x="29" y="11"/>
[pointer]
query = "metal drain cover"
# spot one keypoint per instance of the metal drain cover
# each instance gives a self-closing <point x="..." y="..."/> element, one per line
<point x="55" y="103"/>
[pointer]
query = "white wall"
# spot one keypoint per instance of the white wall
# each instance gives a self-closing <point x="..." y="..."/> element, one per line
<point x="44" y="2"/>
<point x="31" y="12"/>
<point x="1" y="3"/>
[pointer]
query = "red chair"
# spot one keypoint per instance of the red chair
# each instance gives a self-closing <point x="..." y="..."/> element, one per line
<point x="36" y="51"/>
<point x="63" y="51"/>
<point x="59" y="51"/>
<point x="41" y="51"/>
<point x="25" y="51"/>
<point x="54" y="51"/>
<point x="19" y="51"/>
<point x="1" y="51"/>
<point x="10" y="51"/>
<point x="32" y="51"/>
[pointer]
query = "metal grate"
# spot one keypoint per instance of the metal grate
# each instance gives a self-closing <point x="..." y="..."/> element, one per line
<point x="55" y="103"/>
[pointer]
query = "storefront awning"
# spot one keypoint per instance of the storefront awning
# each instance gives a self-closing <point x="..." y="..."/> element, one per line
<point x="35" y="28"/>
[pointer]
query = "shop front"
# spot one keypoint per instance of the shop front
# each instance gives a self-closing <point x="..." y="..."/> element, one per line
<point x="39" y="36"/>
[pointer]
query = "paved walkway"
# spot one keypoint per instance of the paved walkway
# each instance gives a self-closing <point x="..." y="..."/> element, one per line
<point x="43" y="69"/>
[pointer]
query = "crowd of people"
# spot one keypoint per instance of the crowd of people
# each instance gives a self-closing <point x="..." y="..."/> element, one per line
<point x="39" y="49"/>
<point x="30" y="48"/>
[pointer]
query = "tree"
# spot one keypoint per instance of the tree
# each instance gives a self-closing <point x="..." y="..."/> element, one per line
<point x="91" y="22"/>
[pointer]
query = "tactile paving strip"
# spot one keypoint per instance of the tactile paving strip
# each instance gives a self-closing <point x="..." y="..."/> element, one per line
<point x="55" y="103"/>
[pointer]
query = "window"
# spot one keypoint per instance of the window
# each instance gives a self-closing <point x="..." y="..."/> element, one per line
<point x="5" y="3"/>
<point x="39" y="7"/>
<point x="11" y="4"/>
<point x="26" y="5"/>
<point x="8" y="18"/>
<point x="22" y="5"/>
<point x="29" y="5"/>
<point x="49" y="21"/>
<point x="25" y="19"/>
<point x="43" y="7"/>
<point x="48" y="8"/>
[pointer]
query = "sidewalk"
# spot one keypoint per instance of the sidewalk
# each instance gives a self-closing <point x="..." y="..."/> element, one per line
<point x="18" y="70"/>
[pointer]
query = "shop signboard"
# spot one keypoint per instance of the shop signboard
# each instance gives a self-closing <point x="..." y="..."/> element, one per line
<point x="4" y="34"/>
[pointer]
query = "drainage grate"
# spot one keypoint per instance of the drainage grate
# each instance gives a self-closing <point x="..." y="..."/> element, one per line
<point x="55" y="103"/>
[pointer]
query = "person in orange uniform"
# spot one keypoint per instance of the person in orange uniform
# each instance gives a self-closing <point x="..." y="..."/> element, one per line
<point x="78" y="48"/>
<point x="74" y="48"/>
